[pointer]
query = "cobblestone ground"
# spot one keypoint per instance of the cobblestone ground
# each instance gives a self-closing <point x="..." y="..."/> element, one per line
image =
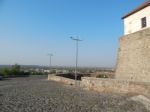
<point x="36" y="94"/>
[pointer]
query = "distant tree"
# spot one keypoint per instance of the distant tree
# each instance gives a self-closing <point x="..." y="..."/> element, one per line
<point x="53" y="71"/>
<point x="5" y="72"/>
<point x="16" y="67"/>
<point x="15" y="70"/>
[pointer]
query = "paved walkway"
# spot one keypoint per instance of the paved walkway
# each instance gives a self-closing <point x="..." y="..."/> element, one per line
<point x="36" y="94"/>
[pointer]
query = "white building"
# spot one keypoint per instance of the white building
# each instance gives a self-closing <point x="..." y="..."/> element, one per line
<point x="138" y="19"/>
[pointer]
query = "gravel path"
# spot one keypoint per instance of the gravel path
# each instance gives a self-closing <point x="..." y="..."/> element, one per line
<point x="36" y="94"/>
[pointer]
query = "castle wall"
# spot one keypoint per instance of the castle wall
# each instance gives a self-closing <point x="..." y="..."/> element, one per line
<point x="134" y="57"/>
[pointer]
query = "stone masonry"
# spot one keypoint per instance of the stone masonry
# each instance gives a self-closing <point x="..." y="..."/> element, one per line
<point x="134" y="57"/>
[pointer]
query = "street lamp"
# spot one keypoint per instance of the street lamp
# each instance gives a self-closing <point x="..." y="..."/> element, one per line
<point x="77" y="40"/>
<point x="50" y="56"/>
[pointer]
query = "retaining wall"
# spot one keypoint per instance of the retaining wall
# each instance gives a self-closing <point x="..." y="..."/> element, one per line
<point x="114" y="85"/>
<point x="62" y="79"/>
<point x="106" y="85"/>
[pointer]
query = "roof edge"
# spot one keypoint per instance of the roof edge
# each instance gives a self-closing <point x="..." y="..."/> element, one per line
<point x="146" y="4"/>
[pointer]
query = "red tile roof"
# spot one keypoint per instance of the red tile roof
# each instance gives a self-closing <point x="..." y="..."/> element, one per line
<point x="138" y="9"/>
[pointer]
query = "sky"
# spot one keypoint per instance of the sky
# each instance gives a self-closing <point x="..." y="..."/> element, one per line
<point x="30" y="29"/>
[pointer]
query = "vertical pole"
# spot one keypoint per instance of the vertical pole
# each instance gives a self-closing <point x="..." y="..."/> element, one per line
<point x="50" y="56"/>
<point x="50" y="63"/>
<point x="76" y="67"/>
<point x="76" y="62"/>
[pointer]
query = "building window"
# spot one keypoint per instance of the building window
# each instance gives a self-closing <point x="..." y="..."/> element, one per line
<point x="143" y="22"/>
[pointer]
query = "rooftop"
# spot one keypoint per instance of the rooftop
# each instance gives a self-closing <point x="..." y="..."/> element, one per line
<point x="147" y="3"/>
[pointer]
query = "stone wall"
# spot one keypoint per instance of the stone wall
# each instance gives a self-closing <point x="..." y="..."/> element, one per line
<point x="106" y="85"/>
<point x="62" y="80"/>
<point x="134" y="57"/>
<point x="114" y="85"/>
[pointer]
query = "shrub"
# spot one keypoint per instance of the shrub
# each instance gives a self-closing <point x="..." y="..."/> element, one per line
<point x="5" y="72"/>
<point x="12" y="72"/>
<point x="102" y="76"/>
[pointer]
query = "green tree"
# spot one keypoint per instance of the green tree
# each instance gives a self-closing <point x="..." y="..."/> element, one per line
<point x="15" y="70"/>
<point x="5" y="72"/>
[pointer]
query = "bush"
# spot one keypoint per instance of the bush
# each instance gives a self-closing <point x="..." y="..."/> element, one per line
<point x="37" y="73"/>
<point x="14" y="71"/>
<point x="102" y="76"/>
<point x="5" y="72"/>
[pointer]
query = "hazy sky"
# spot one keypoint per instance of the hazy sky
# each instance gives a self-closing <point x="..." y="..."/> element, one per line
<point x="30" y="29"/>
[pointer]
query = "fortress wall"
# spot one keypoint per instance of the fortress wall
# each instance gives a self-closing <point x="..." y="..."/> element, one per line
<point x="134" y="57"/>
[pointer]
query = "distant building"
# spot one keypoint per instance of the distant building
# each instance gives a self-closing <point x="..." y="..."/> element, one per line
<point x="138" y="19"/>
<point x="46" y="71"/>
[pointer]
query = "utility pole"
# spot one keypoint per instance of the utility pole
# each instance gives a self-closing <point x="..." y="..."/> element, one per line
<point x="77" y="40"/>
<point x="50" y="57"/>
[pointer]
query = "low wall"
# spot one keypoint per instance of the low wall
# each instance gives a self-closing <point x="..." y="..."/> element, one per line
<point x="62" y="80"/>
<point x="106" y="85"/>
<point x="114" y="85"/>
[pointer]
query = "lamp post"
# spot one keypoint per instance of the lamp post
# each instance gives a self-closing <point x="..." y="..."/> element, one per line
<point x="50" y="56"/>
<point x="77" y="40"/>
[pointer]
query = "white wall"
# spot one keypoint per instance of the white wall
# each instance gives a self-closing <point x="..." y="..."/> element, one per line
<point x="133" y="22"/>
